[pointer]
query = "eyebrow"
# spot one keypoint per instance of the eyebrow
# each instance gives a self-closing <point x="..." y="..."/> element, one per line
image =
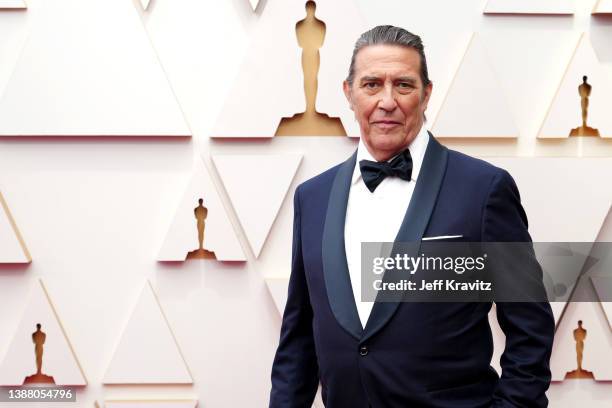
<point x="407" y="79"/>
<point x="400" y="79"/>
<point x="369" y="78"/>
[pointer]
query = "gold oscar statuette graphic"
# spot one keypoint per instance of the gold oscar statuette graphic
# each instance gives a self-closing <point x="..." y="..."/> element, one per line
<point x="584" y="90"/>
<point x="310" y="36"/>
<point x="38" y="338"/>
<point x="579" y="335"/>
<point x="201" y="213"/>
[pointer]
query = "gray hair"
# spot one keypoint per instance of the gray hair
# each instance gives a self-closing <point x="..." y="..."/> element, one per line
<point x="389" y="35"/>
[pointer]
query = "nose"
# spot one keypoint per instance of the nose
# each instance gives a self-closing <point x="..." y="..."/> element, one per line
<point x="387" y="100"/>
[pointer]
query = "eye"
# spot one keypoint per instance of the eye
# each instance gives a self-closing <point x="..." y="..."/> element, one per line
<point x="371" y="85"/>
<point x="405" y="85"/>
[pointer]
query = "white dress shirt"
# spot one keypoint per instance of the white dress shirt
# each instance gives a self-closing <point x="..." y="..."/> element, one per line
<point x="377" y="216"/>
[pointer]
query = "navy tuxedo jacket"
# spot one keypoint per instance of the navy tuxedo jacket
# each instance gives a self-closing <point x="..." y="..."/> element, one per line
<point x="409" y="354"/>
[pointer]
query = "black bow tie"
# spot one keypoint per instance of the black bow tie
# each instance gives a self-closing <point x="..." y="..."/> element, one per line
<point x="373" y="173"/>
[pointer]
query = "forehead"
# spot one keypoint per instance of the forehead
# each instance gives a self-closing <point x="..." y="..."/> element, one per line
<point x="383" y="59"/>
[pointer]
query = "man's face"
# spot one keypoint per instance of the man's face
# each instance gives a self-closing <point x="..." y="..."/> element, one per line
<point x="388" y="97"/>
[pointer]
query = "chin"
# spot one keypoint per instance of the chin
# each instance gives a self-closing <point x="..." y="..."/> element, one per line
<point x="388" y="141"/>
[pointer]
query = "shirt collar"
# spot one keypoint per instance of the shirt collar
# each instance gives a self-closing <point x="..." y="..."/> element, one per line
<point x="417" y="151"/>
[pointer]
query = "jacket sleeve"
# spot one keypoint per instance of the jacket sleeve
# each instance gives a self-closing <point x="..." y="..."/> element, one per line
<point x="529" y="326"/>
<point x="295" y="369"/>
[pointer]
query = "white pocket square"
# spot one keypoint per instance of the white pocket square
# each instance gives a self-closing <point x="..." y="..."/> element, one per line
<point x="441" y="237"/>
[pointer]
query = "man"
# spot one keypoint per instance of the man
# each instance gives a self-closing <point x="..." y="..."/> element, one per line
<point x="401" y="185"/>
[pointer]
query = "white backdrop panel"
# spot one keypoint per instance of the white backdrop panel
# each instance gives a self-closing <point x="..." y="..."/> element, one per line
<point x="95" y="74"/>
<point x="58" y="359"/>
<point x="565" y="111"/>
<point x="530" y="7"/>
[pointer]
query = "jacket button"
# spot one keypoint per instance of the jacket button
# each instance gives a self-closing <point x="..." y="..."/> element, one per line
<point x="363" y="351"/>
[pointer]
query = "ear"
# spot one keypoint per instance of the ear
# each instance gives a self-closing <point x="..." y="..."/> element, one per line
<point x="347" y="92"/>
<point x="427" y="94"/>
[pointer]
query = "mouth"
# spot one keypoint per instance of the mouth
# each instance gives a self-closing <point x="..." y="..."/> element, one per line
<point x="386" y="124"/>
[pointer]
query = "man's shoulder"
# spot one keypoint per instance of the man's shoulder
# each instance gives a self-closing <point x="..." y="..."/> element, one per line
<point x="472" y="168"/>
